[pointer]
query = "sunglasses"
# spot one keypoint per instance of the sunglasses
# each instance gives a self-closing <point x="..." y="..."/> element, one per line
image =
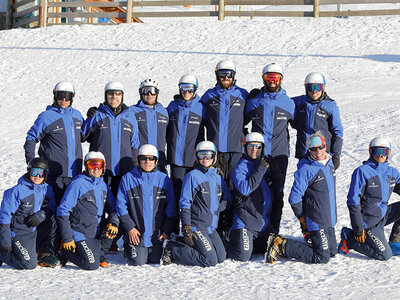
<point x="313" y="149"/>
<point x="95" y="163"/>
<point x="310" y="87"/>
<point x="114" y="93"/>
<point x="251" y="146"/>
<point x="63" y="95"/>
<point x="148" y="89"/>
<point x="223" y="74"/>
<point x="272" y="77"/>
<point x="145" y="158"/>
<point x="187" y="88"/>
<point x="208" y="155"/>
<point x="37" y="171"/>
<point x="376" y="151"/>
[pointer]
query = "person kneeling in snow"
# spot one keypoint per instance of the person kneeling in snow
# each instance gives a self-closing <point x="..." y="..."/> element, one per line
<point x="370" y="189"/>
<point x="79" y="216"/>
<point x="313" y="200"/>
<point x="23" y="208"/>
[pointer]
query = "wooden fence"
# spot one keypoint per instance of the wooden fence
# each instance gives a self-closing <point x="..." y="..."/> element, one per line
<point x="28" y="13"/>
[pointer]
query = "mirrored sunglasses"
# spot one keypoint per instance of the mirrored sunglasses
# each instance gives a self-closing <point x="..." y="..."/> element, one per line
<point x="223" y="74"/>
<point x="37" y="172"/>
<point x="313" y="149"/>
<point x="149" y="89"/>
<point x="251" y="146"/>
<point x="203" y="155"/>
<point x="187" y="88"/>
<point x="272" y="77"/>
<point x="145" y="158"/>
<point x="314" y="87"/>
<point x="60" y="95"/>
<point x="114" y="93"/>
<point x="376" y="151"/>
<point x="95" y="163"/>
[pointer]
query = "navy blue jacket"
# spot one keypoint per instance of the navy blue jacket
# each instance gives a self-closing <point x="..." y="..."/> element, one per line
<point x="59" y="132"/>
<point x="322" y="115"/>
<point x="270" y="114"/>
<point x="21" y="201"/>
<point x="204" y="195"/>
<point x="225" y="110"/>
<point x="252" y="195"/>
<point x="114" y="136"/>
<point x="370" y="189"/>
<point x="313" y="194"/>
<point x="81" y="208"/>
<point x="185" y="130"/>
<point x="152" y="124"/>
<point x="146" y="202"/>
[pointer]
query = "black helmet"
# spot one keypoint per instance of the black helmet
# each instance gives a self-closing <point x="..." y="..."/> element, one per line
<point x="38" y="162"/>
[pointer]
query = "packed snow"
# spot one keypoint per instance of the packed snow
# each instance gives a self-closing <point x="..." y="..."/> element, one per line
<point x="360" y="57"/>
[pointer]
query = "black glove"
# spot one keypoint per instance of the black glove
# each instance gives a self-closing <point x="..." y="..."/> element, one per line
<point x="91" y="111"/>
<point x="253" y="93"/>
<point x="336" y="162"/>
<point x="32" y="221"/>
<point x="264" y="161"/>
<point x="188" y="235"/>
<point x="4" y="248"/>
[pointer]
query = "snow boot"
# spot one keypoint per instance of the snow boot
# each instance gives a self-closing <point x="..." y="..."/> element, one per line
<point x="344" y="235"/>
<point x="103" y="262"/>
<point x="166" y="257"/>
<point x="276" y="248"/>
<point x="48" y="260"/>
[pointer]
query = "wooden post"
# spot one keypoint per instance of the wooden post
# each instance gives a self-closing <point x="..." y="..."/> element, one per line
<point x="129" y="10"/>
<point x="316" y="8"/>
<point x="221" y="10"/>
<point x="9" y="14"/>
<point x="43" y="13"/>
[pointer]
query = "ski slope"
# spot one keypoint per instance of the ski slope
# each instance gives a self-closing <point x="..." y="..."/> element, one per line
<point x="360" y="58"/>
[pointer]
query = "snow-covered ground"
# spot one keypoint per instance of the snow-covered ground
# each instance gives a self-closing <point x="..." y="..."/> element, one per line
<point x="360" y="57"/>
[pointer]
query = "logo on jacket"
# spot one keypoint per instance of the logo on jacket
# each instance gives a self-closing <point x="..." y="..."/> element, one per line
<point x="90" y="199"/>
<point x="373" y="185"/>
<point x="127" y="127"/>
<point x="162" y="120"/>
<point x="319" y="178"/>
<point x="322" y="115"/>
<point x="58" y="128"/>
<point x="141" y="119"/>
<point x="27" y="204"/>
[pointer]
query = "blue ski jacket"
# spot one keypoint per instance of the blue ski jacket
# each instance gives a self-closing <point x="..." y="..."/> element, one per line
<point x="146" y="202"/>
<point x="204" y="195"/>
<point x="59" y="132"/>
<point x="115" y="136"/>
<point x="370" y="189"/>
<point x="152" y="124"/>
<point x="185" y="130"/>
<point x="270" y="114"/>
<point x="252" y="195"/>
<point x="225" y="118"/>
<point x="21" y="201"/>
<point x="81" y="208"/>
<point x="313" y="194"/>
<point x="311" y="116"/>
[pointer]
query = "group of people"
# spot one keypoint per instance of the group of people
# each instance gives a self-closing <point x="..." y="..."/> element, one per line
<point x="222" y="196"/>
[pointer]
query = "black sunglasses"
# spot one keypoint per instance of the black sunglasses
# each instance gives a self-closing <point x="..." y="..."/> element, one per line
<point x="144" y="158"/>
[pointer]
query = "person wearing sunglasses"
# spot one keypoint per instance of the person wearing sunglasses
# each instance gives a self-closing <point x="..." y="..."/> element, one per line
<point x="146" y="207"/>
<point x="58" y="129"/>
<point x="204" y="195"/>
<point x="79" y="215"/>
<point x="152" y="119"/>
<point x="316" y="111"/>
<point x="313" y="200"/>
<point x="185" y="130"/>
<point x="368" y="201"/>
<point x="24" y="207"/>
<point x="270" y="111"/>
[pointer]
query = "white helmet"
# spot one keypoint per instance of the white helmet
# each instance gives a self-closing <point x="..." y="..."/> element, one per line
<point x="254" y="137"/>
<point x="94" y="155"/>
<point x="225" y="65"/>
<point x="189" y="79"/>
<point x="380" y="142"/>
<point x="148" y="149"/>
<point x="207" y="146"/>
<point x="114" y="86"/>
<point x="314" y="78"/>
<point x="149" y="82"/>
<point x="64" y="86"/>
<point x="273" y="68"/>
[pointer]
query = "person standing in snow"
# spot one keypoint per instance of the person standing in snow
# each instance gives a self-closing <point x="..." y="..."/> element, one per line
<point x="370" y="189"/>
<point x="315" y="111"/>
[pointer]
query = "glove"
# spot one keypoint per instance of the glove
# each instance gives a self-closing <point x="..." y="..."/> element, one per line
<point x="336" y="162"/>
<point x="360" y="236"/>
<point x="303" y="224"/>
<point x="91" y="111"/>
<point x="253" y="93"/>
<point x="264" y="161"/>
<point x="5" y="248"/>
<point x="111" y="231"/>
<point x="70" y="246"/>
<point x="32" y="221"/>
<point x="188" y="235"/>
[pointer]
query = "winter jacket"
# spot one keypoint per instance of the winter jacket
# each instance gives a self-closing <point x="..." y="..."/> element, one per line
<point x="204" y="195"/>
<point x="146" y="202"/>
<point x="270" y="114"/>
<point x="81" y="208"/>
<point x="313" y="193"/>
<point x="152" y="124"/>
<point x="224" y="110"/>
<point x="252" y="195"/>
<point x="322" y="115"/>
<point x="370" y="189"/>
<point x="59" y="132"/>
<point x="21" y="201"/>
<point x="114" y="136"/>
<point x="185" y="130"/>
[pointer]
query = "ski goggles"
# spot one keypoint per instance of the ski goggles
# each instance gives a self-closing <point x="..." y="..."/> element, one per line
<point x="187" y="88"/>
<point x="376" y="151"/>
<point x="251" y="146"/>
<point x="272" y="77"/>
<point x="223" y="73"/>
<point x="310" y="87"/>
<point x="145" y="158"/>
<point x="114" y="93"/>
<point x="95" y="163"/>
<point x="313" y="149"/>
<point x="202" y="155"/>
<point x="148" y="89"/>
<point x="60" y="95"/>
<point x="37" y="172"/>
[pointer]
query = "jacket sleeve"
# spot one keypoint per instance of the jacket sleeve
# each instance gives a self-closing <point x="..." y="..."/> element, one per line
<point x="247" y="183"/>
<point x="357" y="187"/>
<point x="34" y="135"/>
<point x="300" y="185"/>
<point x="226" y="201"/>
<point x="336" y="129"/>
<point x="87" y="129"/>
<point x="186" y="199"/>
<point x="9" y="205"/>
<point x="113" y="217"/>
<point x="170" y="208"/>
<point x="135" y="142"/>
<point x="122" y="206"/>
